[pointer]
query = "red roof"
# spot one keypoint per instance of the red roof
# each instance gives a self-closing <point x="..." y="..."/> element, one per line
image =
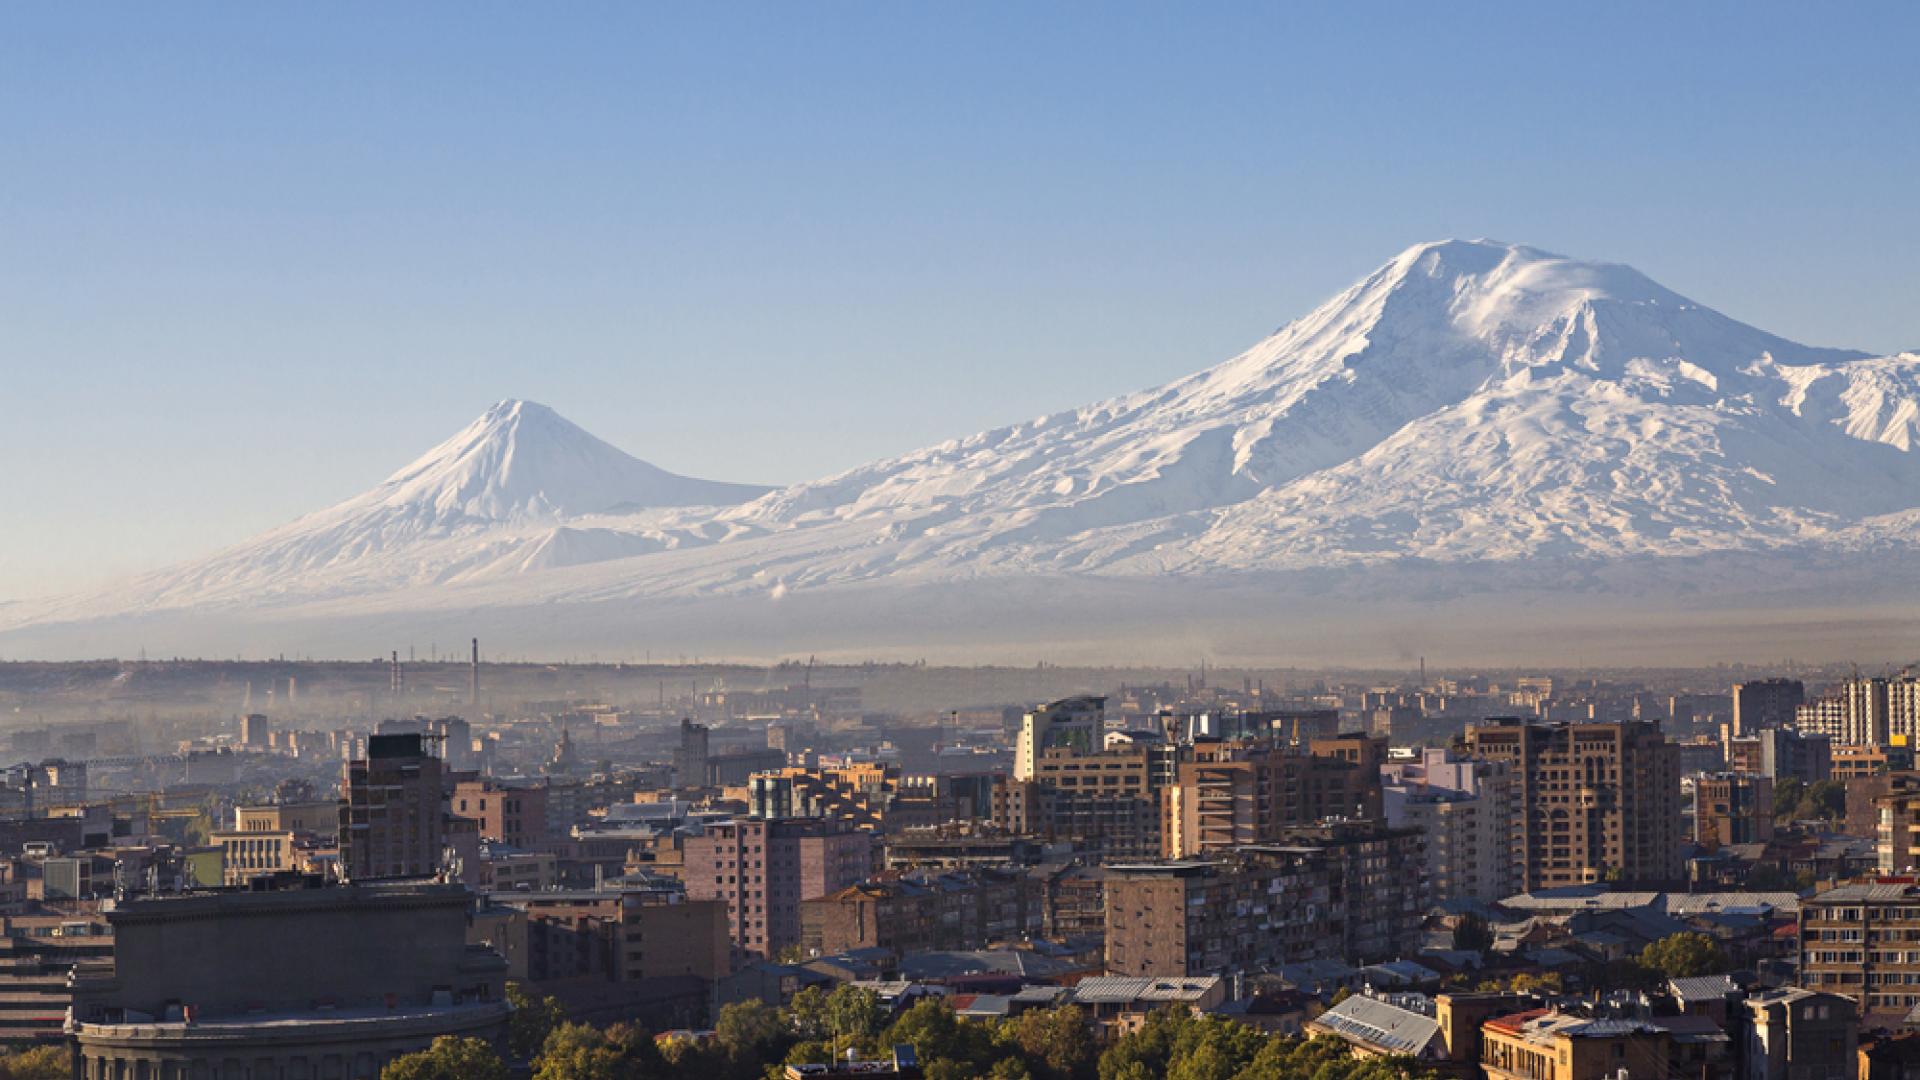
<point x="1512" y="1022"/>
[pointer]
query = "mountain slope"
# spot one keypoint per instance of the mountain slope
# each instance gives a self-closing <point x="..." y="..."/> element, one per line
<point x="491" y="499"/>
<point x="1469" y="405"/>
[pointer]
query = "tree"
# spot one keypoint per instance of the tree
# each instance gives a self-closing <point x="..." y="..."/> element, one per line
<point x="1787" y="794"/>
<point x="449" y="1058"/>
<point x="1528" y="982"/>
<point x="1683" y="955"/>
<point x="1472" y="934"/>
<point x="750" y="1032"/>
<point x="582" y="1052"/>
<point x="807" y="1013"/>
<point x="533" y="1019"/>
<point x="37" y="1063"/>
<point x="1058" y="1040"/>
<point x="938" y="1036"/>
<point x="854" y="1013"/>
<point x="1825" y="800"/>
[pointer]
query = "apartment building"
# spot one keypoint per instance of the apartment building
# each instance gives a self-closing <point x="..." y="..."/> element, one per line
<point x="1338" y="892"/>
<point x="1598" y="801"/>
<point x="1105" y="804"/>
<point x="1248" y="792"/>
<point x="1863" y="942"/>
<point x="763" y="868"/>
<point x="625" y="937"/>
<point x="1469" y="812"/>
<point x="1765" y="704"/>
<point x="926" y="912"/>
<point x="1076" y="725"/>
<point x="391" y="806"/>
<point x="511" y="814"/>
<point x="1732" y="808"/>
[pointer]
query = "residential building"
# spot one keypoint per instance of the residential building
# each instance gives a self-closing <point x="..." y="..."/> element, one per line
<point x="1247" y="792"/>
<point x="625" y="936"/>
<point x="1897" y="841"/>
<point x="1866" y="711"/>
<point x="1863" y="942"/>
<point x="391" y="806"/>
<point x="1543" y="1045"/>
<point x="1765" y="704"/>
<point x="1599" y="801"/>
<point x="1331" y="893"/>
<point x="1782" y="753"/>
<point x="510" y="814"/>
<point x="1469" y="812"/>
<point x="1075" y="724"/>
<point x="927" y="912"/>
<point x="37" y="952"/>
<point x="763" y="868"/>
<point x="1104" y="804"/>
<point x="1795" y="1034"/>
<point x="255" y="731"/>
<point x="1732" y="808"/>
<point x="690" y="757"/>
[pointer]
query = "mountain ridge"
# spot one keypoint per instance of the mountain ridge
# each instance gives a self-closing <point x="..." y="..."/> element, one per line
<point x="1468" y="402"/>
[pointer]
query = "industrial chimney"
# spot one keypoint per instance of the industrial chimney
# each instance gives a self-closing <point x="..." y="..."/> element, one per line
<point x="473" y="677"/>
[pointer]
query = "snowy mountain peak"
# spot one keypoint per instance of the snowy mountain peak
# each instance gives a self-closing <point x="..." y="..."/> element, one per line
<point x="520" y="460"/>
<point x="1468" y="404"/>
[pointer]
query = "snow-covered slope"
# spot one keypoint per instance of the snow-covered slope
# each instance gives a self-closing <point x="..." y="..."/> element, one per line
<point x="496" y="498"/>
<point x="1469" y="403"/>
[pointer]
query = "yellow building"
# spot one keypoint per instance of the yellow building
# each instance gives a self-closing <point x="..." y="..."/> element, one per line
<point x="1544" y="1045"/>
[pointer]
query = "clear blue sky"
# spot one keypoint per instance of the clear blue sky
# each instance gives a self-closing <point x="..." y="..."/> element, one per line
<point x="254" y="257"/>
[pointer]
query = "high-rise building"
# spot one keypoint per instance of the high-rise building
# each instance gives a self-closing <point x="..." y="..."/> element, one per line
<point x="1866" y="711"/>
<point x="690" y="757"/>
<point x="1732" y="808"/>
<point x="391" y="805"/>
<point x="1766" y="703"/>
<point x="255" y="731"/>
<point x="1075" y="724"/>
<point x="763" y="868"/>
<point x="1469" y="811"/>
<point x="1106" y="805"/>
<point x="1236" y="793"/>
<point x="1782" y="753"/>
<point x="1598" y="801"/>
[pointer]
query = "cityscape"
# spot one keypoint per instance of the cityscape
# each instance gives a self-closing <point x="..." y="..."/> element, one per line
<point x="834" y="540"/>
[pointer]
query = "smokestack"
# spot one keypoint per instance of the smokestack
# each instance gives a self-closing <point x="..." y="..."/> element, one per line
<point x="473" y="677"/>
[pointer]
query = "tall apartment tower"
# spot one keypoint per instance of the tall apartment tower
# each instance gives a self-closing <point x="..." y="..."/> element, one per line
<point x="255" y="731"/>
<point x="1766" y="703"/>
<point x="1597" y="801"/>
<point x="391" y="809"/>
<point x="1076" y="723"/>
<point x="1866" y="711"/>
<point x="690" y="757"/>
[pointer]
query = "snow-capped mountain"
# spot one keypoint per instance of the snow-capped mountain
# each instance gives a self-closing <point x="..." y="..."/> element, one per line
<point x="1469" y="404"/>
<point x="503" y="496"/>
